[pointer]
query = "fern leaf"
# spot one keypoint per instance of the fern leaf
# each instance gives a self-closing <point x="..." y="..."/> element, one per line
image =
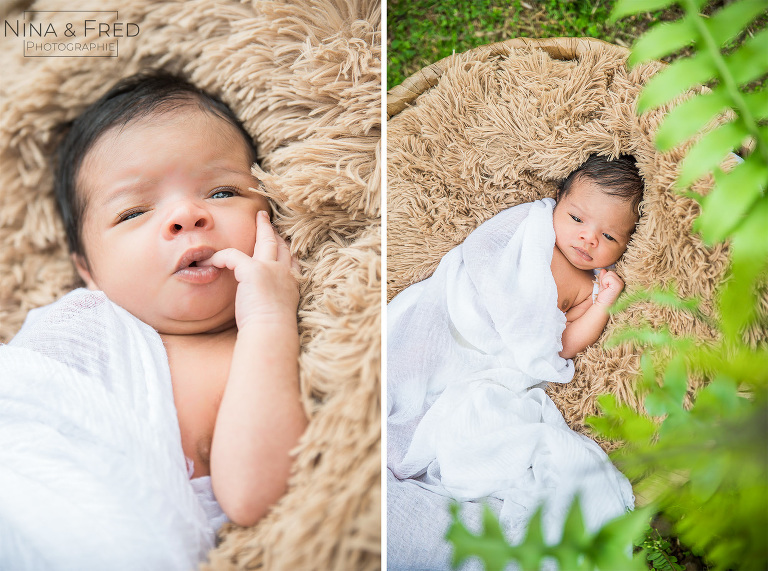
<point x="574" y="523"/>
<point x="689" y="118"/>
<point x="733" y="196"/>
<point x="676" y="380"/>
<point x="647" y="377"/>
<point x="623" y="529"/>
<point x="718" y="397"/>
<point x="749" y="255"/>
<point x="749" y="62"/>
<point x="533" y="547"/>
<point x="641" y="336"/>
<point x="757" y="103"/>
<point x="662" y="40"/>
<point x="729" y="21"/>
<point x="492" y="549"/>
<point x="627" y="7"/>
<point x="709" y="152"/>
<point x="666" y="297"/>
<point x="621" y="422"/>
<point x="658" y="403"/>
<point x="675" y="80"/>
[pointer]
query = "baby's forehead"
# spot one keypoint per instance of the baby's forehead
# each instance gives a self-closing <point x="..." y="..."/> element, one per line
<point x="205" y="140"/>
<point x="175" y="117"/>
<point x="217" y="129"/>
<point x="589" y="192"/>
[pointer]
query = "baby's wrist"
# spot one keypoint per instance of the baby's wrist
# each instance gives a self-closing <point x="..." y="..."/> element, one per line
<point x="283" y="321"/>
<point x="604" y="304"/>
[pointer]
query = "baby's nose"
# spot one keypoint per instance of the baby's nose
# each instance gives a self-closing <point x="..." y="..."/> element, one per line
<point x="589" y="236"/>
<point x="186" y="217"/>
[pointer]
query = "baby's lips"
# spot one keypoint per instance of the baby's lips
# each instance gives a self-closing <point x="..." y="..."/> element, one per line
<point x="194" y="256"/>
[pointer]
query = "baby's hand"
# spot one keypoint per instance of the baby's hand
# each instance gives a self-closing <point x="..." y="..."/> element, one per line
<point x="611" y="286"/>
<point x="266" y="291"/>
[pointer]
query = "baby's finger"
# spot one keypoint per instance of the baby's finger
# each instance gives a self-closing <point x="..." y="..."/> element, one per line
<point x="266" y="243"/>
<point x="283" y="251"/>
<point x="228" y="258"/>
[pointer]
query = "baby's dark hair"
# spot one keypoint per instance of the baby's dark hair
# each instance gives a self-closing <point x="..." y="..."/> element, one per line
<point x="618" y="177"/>
<point x="130" y="99"/>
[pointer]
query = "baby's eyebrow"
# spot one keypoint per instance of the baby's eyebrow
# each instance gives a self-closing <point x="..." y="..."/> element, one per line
<point x="232" y="170"/>
<point x="130" y="187"/>
<point x="218" y="169"/>
<point x="624" y="236"/>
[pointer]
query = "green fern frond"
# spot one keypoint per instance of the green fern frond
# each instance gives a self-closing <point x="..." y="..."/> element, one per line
<point x="577" y="549"/>
<point x="749" y="260"/>
<point x="662" y="40"/>
<point x="708" y="153"/>
<point x="728" y="22"/>
<point x="676" y="79"/>
<point x="732" y="197"/>
<point x="690" y="117"/>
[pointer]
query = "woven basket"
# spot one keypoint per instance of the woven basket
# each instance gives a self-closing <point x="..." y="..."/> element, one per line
<point x="401" y="95"/>
<point x="500" y="125"/>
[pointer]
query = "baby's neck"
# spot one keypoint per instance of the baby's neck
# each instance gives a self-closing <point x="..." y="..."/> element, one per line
<point x="220" y="334"/>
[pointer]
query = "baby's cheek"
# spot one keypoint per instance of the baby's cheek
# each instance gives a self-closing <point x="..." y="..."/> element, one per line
<point x="248" y="235"/>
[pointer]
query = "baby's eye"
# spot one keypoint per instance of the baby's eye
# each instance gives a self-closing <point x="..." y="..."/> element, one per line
<point x="224" y="193"/>
<point x="129" y="214"/>
<point x="609" y="237"/>
<point x="576" y="218"/>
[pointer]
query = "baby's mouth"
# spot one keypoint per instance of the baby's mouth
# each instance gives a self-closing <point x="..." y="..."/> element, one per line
<point x="583" y="254"/>
<point x="191" y="257"/>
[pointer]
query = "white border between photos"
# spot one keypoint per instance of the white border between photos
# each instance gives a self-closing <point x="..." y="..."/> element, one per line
<point x="383" y="194"/>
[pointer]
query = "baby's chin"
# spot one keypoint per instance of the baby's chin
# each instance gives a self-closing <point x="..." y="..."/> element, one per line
<point x="196" y="321"/>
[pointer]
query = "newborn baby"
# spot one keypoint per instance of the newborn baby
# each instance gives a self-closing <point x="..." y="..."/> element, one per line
<point x="595" y="216"/>
<point x="469" y="349"/>
<point x="154" y="186"/>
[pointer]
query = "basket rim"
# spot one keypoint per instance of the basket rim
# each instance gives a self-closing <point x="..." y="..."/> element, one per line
<point x="561" y="48"/>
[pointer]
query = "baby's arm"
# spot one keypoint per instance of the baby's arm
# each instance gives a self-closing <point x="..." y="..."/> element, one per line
<point x="260" y="418"/>
<point x="586" y="321"/>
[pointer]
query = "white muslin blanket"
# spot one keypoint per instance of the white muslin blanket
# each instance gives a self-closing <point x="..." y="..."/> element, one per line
<point x="92" y="473"/>
<point x="468" y="351"/>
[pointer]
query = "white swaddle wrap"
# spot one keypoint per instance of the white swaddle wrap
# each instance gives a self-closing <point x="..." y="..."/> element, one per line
<point x="92" y="473"/>
<point x="466" y="349"/>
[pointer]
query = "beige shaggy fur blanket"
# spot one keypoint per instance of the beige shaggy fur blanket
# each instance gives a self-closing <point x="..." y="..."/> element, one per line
<point x="500" y="125"/>
<point x="304" y="76"/>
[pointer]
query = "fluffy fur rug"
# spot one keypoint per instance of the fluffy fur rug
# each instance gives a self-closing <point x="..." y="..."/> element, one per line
<point x="500" y="127"/>
<point x="304" y="76"/>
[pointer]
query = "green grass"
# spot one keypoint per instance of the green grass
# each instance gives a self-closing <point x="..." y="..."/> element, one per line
<point x="420" y="32"/>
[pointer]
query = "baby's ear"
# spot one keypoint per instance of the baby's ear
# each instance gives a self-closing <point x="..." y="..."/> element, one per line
<point x="82" y="269"/>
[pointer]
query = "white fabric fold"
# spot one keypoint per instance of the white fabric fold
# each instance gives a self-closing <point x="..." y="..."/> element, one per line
<point x="468" y="351"/>
<point x="92" y="473"/>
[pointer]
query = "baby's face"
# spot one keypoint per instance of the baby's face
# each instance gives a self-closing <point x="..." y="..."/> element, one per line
<point x="161" y="193"/>
<point x="592" y="228"/>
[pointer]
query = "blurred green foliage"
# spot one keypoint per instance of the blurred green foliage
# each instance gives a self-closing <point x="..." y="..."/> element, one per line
<point x="578" y="549"/>
<point x="703" y="465"/>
